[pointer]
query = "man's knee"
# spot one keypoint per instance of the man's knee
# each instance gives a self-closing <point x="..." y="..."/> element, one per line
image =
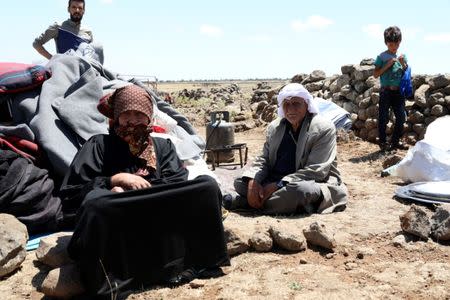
<point x="308" y="190"/>
<point x="240" y="186"/>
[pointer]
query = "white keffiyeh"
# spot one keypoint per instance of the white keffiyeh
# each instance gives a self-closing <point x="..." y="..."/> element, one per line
<point x="296" y="90"/>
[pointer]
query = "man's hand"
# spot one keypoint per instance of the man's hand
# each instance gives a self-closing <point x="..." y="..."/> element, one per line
<point x="254" y="194"/>
<point x="268" y="190"/>
<point x="129" y="181"/>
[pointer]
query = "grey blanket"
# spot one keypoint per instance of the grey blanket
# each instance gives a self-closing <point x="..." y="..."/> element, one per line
<point x="63" y="114"/>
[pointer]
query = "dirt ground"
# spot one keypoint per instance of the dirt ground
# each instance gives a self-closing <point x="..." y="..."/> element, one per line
<point x="365" y="263"/>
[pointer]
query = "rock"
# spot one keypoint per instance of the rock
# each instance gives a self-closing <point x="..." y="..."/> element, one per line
<point x="197" y="283"/>
<point x="63" y="282"/>
<point x="372" y="82"/>
<point x="391" y="160"/>
<point x="364" y="103"/>
<point x="316" y="75"/>
<point x="399" y="241"/>
<point x="347" y="69"/>
<point x="367" y="62"/>
<point x="52" y="250"/>
<point x="362" y="73"/>
<point x="416" y="117"/>
<point x="439" y="81"/>
<point x="418" y="80"/>
<point x="269" y="113"/>
<point x="440" y="221"/>
<point x="350" y="266"/>
<point x="13" y="241"/>
<point x="345" y="252"/>
<point x="318" y="235"/>
<point x="330" y="255"/>
<point x="299" y="77"/>
<point x="314" y="86"/>
<point x="420" y="95"/>
<point x="416" y="222"/>
<point x="261" y="241"/>
<point x="303" y="261"/>
<point x="287" y="240"/>
<point x="235" y="242"/>
<point x="438" y="110"/>
<point x="419" y="128"/>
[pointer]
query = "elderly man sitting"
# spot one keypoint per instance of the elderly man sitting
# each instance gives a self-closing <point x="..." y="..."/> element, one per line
<point x="297" y="171"/>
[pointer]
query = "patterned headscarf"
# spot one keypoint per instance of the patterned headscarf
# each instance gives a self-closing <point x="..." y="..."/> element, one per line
<point x="132" y="97"/>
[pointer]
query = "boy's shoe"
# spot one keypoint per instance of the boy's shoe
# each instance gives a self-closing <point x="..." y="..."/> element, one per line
<point x="400" y="146"/>
<point x="384" y="147"/>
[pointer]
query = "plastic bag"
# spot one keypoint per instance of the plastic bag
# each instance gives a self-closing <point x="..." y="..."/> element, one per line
<point x="429" y="159"/>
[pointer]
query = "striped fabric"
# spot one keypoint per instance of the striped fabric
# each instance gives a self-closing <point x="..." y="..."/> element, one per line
<point x="17" y="77"/>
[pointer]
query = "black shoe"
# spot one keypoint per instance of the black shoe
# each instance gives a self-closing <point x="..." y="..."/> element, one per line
<point x="184" y="277"/>
<point x="193" y="273"/>
<point x="234" y="201"/>
<point x="212" y="272"/>
<point x="384" y="147"/>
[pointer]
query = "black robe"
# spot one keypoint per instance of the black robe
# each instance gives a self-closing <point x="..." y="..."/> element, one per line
<point x="144" y="236"/>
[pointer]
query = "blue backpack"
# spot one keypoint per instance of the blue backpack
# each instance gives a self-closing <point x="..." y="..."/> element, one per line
<point x="406" y="89"/>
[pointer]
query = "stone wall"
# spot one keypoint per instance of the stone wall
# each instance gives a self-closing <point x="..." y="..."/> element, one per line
<point x="358" y="92"/>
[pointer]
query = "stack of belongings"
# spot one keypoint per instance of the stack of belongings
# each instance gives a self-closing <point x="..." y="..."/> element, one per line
<point x="45" y="118"/>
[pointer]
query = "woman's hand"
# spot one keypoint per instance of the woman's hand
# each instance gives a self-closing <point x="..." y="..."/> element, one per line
<point x="117" y="189"/>
<point x="129" y="181"/>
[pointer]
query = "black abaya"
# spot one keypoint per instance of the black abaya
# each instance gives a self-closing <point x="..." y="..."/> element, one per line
<point x="144" y="236"/>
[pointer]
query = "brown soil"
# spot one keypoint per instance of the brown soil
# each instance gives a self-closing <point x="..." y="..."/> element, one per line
<point x="365" y="265"/>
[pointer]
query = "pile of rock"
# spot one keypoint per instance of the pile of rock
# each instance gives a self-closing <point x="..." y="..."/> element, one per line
<point x="358" y="92"/>
<point x="224" y="93"/>
<point x="192" y="94"/>
<point x="283" y="238"/>
<point x="424" y="224"/>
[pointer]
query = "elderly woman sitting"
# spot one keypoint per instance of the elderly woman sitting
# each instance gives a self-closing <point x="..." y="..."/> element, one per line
<point x="297" y="171"/>
<point x="139" y="221"/>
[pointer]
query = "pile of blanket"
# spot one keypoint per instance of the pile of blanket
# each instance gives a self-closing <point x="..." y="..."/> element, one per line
<point x="59" y="117"/>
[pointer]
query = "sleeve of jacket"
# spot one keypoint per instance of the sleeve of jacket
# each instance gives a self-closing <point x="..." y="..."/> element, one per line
<point x="321" y="153"/>
<point x="172" y="169"/>
<point x="260" y="167"/>
<point x="47" y="35"/>
<point x="85" y="174"/>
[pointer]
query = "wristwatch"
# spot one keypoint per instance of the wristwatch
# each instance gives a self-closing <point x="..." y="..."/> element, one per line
<point x="280" y="184"/>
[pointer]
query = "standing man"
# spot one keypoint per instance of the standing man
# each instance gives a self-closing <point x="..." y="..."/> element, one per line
<point x="68" y="35"/>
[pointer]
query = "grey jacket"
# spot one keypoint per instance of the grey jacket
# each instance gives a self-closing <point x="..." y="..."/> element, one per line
<point x="52" y="33"/>
<point x="315" y="159"/>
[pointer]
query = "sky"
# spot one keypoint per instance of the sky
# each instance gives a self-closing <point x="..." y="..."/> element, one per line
<point x="237" y="39"/>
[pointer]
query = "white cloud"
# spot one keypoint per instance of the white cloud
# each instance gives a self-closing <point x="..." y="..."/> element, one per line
<point x="210" y="30"/>
<point x="438" y="37"/>
<point x="311" y="23"/>
<point x="107" y="1"/>
<point x="373" y="30"/>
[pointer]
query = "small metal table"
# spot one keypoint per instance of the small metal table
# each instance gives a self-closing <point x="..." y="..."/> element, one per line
<point x="216" y="154"/>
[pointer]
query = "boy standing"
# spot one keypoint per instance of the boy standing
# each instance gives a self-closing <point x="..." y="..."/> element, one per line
<point x="389" y="66"/>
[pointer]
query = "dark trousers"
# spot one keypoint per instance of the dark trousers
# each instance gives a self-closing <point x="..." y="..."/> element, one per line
<point x="394" y="100"/>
